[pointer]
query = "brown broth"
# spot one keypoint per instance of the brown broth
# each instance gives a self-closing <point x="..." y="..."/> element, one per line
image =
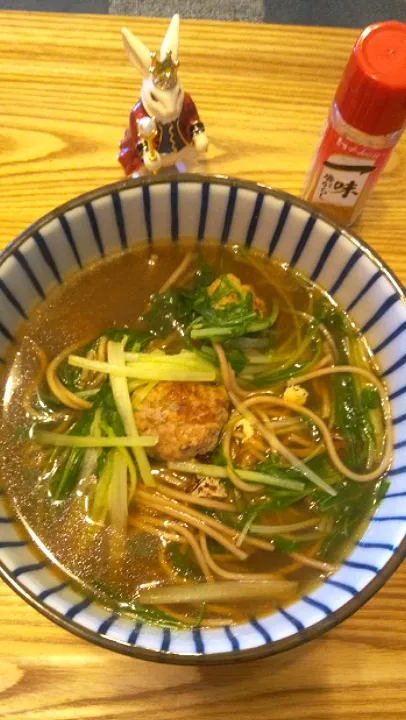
<point x="114" y="294"/>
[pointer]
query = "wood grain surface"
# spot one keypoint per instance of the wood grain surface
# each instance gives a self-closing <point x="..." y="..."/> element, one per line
<point x="66" y="89"/>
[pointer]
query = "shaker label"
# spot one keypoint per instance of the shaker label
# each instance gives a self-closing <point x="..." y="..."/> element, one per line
<point x="342" y="179"/>
<point x="344" y="169"/>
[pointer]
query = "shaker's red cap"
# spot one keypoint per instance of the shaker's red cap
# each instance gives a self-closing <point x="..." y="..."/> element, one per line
<point x="372" y="94"/>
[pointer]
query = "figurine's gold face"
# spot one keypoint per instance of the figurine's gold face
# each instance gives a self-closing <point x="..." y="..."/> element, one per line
<point x="164" y="105"/>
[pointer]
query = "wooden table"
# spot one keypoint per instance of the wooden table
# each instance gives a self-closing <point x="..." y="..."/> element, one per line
<point x="65" y="92"/>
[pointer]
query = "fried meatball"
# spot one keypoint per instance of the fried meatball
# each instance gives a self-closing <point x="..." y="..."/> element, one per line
<point x="187" y="417"/>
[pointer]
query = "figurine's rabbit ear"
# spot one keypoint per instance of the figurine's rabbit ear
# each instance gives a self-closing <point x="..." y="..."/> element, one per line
<point x="171" y="39"/>
<point x="137" y="52"/>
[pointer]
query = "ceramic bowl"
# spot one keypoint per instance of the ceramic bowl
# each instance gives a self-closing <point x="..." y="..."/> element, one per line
<point x="231" y="211"/>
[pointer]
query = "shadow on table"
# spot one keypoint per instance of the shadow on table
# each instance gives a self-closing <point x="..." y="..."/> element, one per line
<point x="263" y="688"/>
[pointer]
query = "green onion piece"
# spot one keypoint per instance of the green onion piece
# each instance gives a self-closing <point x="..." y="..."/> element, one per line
<point x="132" y="472"/>
<point x="258" y="325"/>
<point x="100" y="501"/>
<point x="184" y="358"/>
<point x="265" y="479"/>
<point x="146" y="371"/>
<point x="196" y="468"/>
<point x="141" y="393"/>
<point x="211" y="332"/>
<point x="278" y="529"/>
<point x="119" y="386"/>
<point x="217" y="471"/>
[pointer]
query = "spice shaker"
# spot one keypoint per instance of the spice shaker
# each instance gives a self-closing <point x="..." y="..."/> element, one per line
<point x="365" y="122"/>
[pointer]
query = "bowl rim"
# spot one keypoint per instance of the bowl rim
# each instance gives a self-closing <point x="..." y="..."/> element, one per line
<point x="299" y="637"/>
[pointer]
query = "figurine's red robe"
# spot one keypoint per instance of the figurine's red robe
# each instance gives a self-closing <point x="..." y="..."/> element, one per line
<point x="171" y="137"/>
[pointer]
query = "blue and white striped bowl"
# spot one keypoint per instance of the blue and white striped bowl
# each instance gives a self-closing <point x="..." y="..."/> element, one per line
<point x="235" y="212"/>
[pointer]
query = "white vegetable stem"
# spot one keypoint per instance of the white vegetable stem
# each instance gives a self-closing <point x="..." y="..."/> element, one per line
<point x="119" y="386"/>
<point x="60" y="440"/>
<point x="209" y="592"/>
<point x="91" y="456"/>
<point x="118" y="493"/>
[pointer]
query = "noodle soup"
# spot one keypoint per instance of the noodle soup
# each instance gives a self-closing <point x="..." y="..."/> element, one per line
<point x="195" y="436"/>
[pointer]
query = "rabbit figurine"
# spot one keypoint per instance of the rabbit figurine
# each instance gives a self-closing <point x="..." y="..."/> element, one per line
<point x="164" y="127"/>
